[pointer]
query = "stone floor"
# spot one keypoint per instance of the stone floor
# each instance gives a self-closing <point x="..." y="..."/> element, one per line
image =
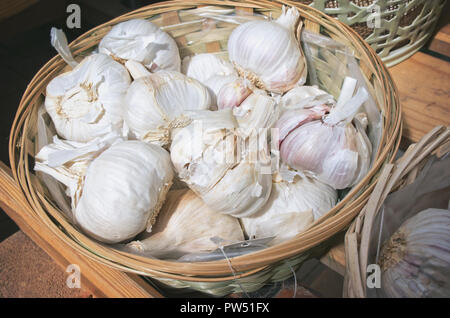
<point x="27" y="271"/>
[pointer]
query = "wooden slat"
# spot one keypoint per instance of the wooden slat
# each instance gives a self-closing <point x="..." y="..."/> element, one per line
<point x="423" y="86"/>
<point x="102" y="280"/>
<point x="441" y="41"/>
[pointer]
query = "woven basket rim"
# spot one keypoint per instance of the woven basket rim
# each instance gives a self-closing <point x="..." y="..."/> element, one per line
<point x="247" y="264"/>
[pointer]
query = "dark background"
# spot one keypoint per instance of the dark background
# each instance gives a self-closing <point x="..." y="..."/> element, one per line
<point x="25" y="47"/>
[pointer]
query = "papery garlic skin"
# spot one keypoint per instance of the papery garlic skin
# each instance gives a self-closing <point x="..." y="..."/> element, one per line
<point x="144" y="42"/>
<point x="155" y="104"/>
<point x="268" y="54"/>
<point x="205" y="157"/>
<point x="88" y="101"/>
<point x="257" y="111"/>
<point x="292" y="207"/>
<point x="206" y="65"/>
<point x="415" y="261"/>
<point x="186" y="225"/>
<point x="67" y="161"/>
<point x="301" y="97"/>
<point x="123" y="191"/>
<point x="199" y="152"/>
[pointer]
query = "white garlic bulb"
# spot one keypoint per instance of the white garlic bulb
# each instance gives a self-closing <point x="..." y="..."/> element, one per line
<point x="331" y="149"/>
<point x="88" y="101"/>
<point x="205" y="156"/>
<point x="118" y="192"/>
<point x="291" y="208"/>
<point x="155" y="104"/>
<point x="124" y="190"/>
<point x="268" y="52"/>
<point x="415" y="261"/>
<point x="144" y="42"/>
<point x="206" y="65"/>
<point x="186" y="225"/>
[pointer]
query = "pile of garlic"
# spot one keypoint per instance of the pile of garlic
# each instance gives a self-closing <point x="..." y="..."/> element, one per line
<point x="132" y="120"/>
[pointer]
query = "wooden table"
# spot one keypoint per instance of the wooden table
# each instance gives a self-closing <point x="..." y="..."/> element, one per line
<point x="423" y="83"/>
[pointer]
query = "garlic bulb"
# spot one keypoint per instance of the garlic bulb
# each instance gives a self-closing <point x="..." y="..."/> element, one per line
<point x="291" y="208"/>
<point x="155" y="104"/>
<point x="186" y="225"/>
<point x="88" y="101"/>
<point x="118" y="192"/>
<point x="268" y="52"/>
<point x="205" y="157"/>
<point x="415" y="261"/>
<point x="206" y="65"/>
<point x="331" y="149"/>
<point x="233" y="94"/>
<point x="144" y="42"/>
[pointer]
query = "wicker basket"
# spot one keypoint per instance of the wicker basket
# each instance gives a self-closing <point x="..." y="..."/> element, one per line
<point x="248" y="272"/>
<point x="395" y="29"/>
<point x="393" y="177"/>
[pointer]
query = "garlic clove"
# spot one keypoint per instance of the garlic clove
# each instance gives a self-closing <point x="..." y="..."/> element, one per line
<point x="233" y="94"/>
<point x="186" y="225"/>
<point x="268" y="54"/>
<point x="144" y="42"/>
<point x="156" y="104"/>
<point x="215" y="83"/>
<point x="241" y="192"/>
<point x="88" y="101"/>
<point x="292" y="119"/>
